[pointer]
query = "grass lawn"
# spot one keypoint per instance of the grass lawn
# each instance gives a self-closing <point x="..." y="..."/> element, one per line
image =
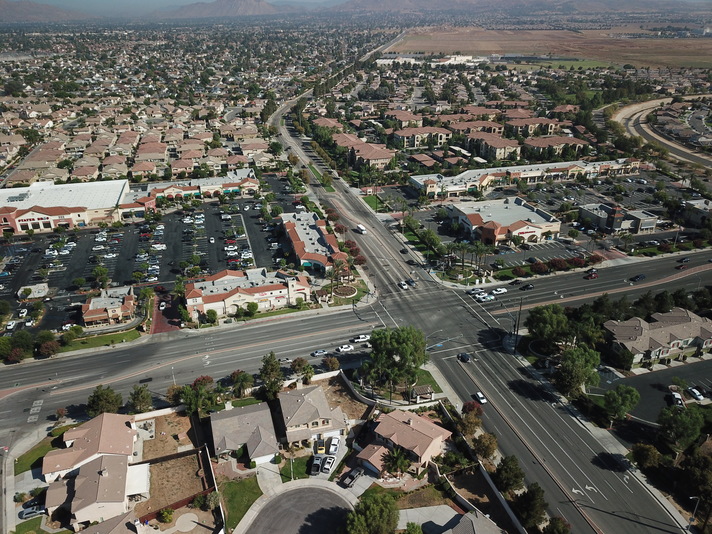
<point x="426" y="379"/>
<point x="315" y="172"/>
<point x="300" y="469"/>
<point x="34" y="456"/>
<point x="361" y="290"/>
<point x="329" y="189"/>
<point x="375" y="489"/>
<point x="372" y="201"/>
<point x="33" y="527"/>
<point x="101" y="341"/>
<point x="238" y="496"/>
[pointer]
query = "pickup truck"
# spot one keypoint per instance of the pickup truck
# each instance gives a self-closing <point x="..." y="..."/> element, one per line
<point x="351" y="478"/>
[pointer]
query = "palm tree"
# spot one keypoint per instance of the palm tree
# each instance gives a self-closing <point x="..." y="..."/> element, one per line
<point x="335" y="274"/>
<point x="627" y="239"/>
<point x="479" y="249"/>
<point x="396" y="461"/>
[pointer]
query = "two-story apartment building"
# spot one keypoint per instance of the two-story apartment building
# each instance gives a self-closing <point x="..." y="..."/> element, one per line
<point x="668" y="335"/>
<point x="423" y="136"/>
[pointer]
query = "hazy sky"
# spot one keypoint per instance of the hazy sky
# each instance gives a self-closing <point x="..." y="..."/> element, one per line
<point x="103" y="7"/>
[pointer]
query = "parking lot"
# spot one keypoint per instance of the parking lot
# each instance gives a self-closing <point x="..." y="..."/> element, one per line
<point x="199" y="241"/>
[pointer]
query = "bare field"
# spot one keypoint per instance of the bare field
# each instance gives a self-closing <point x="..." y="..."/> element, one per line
<point x="603" y="45"/>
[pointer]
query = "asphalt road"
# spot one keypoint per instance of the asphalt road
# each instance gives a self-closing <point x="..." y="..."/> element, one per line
<point x="302" y="511"/>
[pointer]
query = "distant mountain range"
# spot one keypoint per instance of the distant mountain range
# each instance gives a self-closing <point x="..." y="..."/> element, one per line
<point x="223" y="9"/>
<point x="25" y="11"/>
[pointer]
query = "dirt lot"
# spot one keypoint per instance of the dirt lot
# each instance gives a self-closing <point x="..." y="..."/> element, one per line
<point x="475" y="489"/>
<point x="339" y="395"/>
<point x="606" y="45"/>
<point x="171" y="481"/>
<point x="168" y="428"/>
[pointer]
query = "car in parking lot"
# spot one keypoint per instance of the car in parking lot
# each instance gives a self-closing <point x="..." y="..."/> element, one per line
<point x="345" y="348"/>
<point x="10" y="325"/>
<point x="484" y="297"/>
<point x="162" y="306"/>
<point x="328" y="464"/>
<point x="320" y="446"/>
<point x="320" y="352"/>
<point x="334" y="445"/>
<point x="499" y="290"/>
<point x="211" y="240"/>
<point x="481" y="398"/>
<point x="526" y="287"/>
<point x="695" y="394"/>
<point x="22" y="313"/>
<point x="316" y="465"/>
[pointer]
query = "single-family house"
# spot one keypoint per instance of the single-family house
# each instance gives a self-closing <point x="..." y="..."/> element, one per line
<point x="247" y="426"/>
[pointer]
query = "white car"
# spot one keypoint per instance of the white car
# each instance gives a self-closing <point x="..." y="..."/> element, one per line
<point x="334" y="445"/>
<point x="475" y="291"/>
<point x="159" y="246"/>
<point x="328" y="464"/>
<point x="345" y="348"/>
<point x="29" y="323"/>
<point x="481" y="398"/>
<point x="10" y="325"/>
<point x="403" y="285"/>
<point x="98" y="247"/>
<point x="232" y="253"/>
<point x="212" y="240"/>
<point x="320" y="352"/>
<point x="152" y="279"/>
<point x="22" y="313"/>
<point x="484" y="297"/>
<point x="187" y="220"/>
<point x="230" y="247"/>
<point x="110" y="255"/>
<point x="160" y="227"/>
<point x="64" y="252"/>
<point x="361" y="338"/>
<point x="499" y="290"/>
<point x="695" y="394"/>
<point x="162" y="306"/>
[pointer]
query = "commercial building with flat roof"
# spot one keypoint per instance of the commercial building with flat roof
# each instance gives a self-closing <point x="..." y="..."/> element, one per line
<point x="497" y="221"/>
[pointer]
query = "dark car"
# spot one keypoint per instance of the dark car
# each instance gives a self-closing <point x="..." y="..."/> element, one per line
<point x="515" y="282"/>
<point x="404" y="251"/>
<point x="526" y="287"/>
<point x="353" y="476"/>
<point x="464" y="357"/>
<point x="684" y="260"/>
<point x="591" y="276"/>
<point x="410" y="282"/>
<point x="316" y="465"/>
<point x="638" y="278"/>
<point x="681" y="267"/>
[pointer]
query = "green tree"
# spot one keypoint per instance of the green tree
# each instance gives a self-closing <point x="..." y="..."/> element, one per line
<point x="557" y="525"/>
<point x="621" y="400"/>
<point x="509" y="475"/>
<point x="212" y="501"/>
<point x="307" y="373"/>
<point x="485" y="445"/>
<point x="252" y="308"/>
<point x="271" y="376"/>
<point x="330" y="362"/>
<point x="413" y="528"/>
<point x="48" y="349"/>
<point x="548" y="324"/>
<point x="577" y="368"/>
<point x="22" y="340"/>
<point x="646" y="456"/>
<point x="530" y="506"/>
<point x="679" y="427"/>
<point x="402" y="349"/>
<point x="196" y="399"/>
<point x="211" y="316"/>
<point x="298" y="365"/>
<point x="376" y="514"/>
<point x="165" y="515"/>
<point x="241" y="381"/>
<point x="79" y="281"/>
<point x="103" y="400"/>
<point x="140" y="400"/>
<point x="396" y="461"/>
<point x="469" y="423"/>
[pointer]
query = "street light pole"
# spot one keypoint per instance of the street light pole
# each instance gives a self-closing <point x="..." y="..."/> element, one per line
<point x="694" y="512"/>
